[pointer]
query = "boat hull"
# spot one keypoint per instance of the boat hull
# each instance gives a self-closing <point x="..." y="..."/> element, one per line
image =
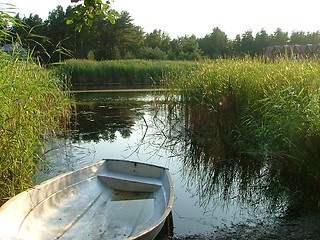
<point x="110" y="199"/>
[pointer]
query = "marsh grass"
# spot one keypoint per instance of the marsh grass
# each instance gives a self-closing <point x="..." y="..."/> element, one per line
<point x="270" y="110"/>
<point x="32" y="106"/>
<point x="121" y="72"/>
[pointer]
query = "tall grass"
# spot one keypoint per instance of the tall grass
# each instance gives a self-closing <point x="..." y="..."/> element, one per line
<point x="120" y="72"/>
<point x="271" y="110"/>
<point x="32" y="105"/>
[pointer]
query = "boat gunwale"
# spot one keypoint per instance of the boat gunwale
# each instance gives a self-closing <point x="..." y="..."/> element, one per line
<point x="98" y="164"/>
<point x="46" y="182"/>
<point x="169" y="205"/>
<point x="165" y="214"/>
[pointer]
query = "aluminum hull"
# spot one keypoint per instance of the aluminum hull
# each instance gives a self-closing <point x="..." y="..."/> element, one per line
<point x="110" y="199"/>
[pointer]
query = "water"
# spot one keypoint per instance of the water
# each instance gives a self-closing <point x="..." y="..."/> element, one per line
<point x="215" y="196"/>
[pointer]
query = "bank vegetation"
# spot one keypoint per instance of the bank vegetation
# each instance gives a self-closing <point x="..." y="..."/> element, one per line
<point x="260" y="111"/>
<point x="32" y="107"/>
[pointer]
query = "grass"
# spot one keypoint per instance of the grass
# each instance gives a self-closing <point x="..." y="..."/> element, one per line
<point x="32" y="105"/>
<point x="121" y="72"/>
<point x="257" y="110"/>
<point x="264" y="109"/>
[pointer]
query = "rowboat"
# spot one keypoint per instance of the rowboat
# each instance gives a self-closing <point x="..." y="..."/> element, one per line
<point x="110" y="199"/>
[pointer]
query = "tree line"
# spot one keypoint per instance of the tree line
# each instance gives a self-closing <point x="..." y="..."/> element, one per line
<point x="53" y="40"/>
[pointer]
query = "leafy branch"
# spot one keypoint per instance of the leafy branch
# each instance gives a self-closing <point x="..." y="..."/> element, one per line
<point x="84" y="13"/>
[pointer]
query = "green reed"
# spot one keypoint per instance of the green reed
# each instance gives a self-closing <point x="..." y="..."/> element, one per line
<point x="268" y="109"/>
<point x="32" y="106"/>
<point x="120" y="72"/>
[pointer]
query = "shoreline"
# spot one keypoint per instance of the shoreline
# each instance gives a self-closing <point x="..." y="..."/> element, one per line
<point x="120" y="90"/>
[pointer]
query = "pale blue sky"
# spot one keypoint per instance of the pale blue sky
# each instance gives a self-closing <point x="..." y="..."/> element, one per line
<point x="186" y="17"/>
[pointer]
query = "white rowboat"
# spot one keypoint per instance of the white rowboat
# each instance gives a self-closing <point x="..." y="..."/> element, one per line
<point x="110" y="199"/>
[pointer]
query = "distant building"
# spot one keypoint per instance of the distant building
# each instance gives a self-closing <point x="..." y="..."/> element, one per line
<point x="15" y="50"/>
<point x="294" y="51"/>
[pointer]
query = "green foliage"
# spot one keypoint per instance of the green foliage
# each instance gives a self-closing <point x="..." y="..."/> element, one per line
<point x="90" y="55"/>
<point x="46" y="42"/>
<point x="262" y="40"/>
<point x="152" y="53"/>
<point x="214" y="44"/>
<point x="158" y="39"/>
<point x="53" y="40"/>
<point x="247" y="43"/>
<point x="185" y="48"/>
<point x="83" y="14"/>
<point x="121" y="72"/>
<point x="270" y="110"/>
<point x="280" y="38"/>
<point x="32" y="105"/>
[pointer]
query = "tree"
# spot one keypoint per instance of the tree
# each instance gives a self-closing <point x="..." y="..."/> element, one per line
<point x="30" y="32"/>
<point x="56" y="35"/>
<point x="185" y="48"/>
<point x="214" y="44"/>
<point x="279" y="37"/>
<point x="236" y="46"/>
<point x="247" y="43"/>
<point x="36" y="33"/>
<point x="314" y="37"/>
<point x="153" y="39"/>
<point x="74" y="39"/>
<point x="262" y="40"/>
<point x="125" y="35"/>
<point x="85" y="12"/>
<point x="158" y="39"/>
<point x="299" y="38"/>
<point x="152" y="53"/>
<point x="122" y="36"/>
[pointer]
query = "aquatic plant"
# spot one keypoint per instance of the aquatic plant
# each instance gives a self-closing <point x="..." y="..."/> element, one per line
<point x="264" y="109"/>
<point x="121" y="72"/>
<point x="32" y="106"/>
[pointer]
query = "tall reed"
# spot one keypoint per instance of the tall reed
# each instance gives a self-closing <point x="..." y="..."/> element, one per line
<point x="32" y="104"/>
<point x="272" y="110"/>
<point x="120" y="72"/>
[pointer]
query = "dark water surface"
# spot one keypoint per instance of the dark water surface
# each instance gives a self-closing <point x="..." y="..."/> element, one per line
<point x="217" y="196"/>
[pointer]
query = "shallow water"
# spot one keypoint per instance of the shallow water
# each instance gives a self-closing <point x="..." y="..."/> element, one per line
<point x="216" y="197"/>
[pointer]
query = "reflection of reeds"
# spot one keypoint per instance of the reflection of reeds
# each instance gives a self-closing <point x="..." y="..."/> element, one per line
<point x="197" y="137"/>
<point x="202" y="141"/>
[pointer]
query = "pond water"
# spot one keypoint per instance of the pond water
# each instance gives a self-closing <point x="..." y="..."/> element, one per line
<point x="216" y="196"/>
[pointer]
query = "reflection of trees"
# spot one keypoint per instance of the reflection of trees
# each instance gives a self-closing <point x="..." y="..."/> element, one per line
<point x="101" y="121"/>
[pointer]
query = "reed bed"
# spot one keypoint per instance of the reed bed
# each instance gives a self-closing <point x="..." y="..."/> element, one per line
<point x="121" y="72"/>
<point x="32" y="106"/>
<point x="271" y="110"/>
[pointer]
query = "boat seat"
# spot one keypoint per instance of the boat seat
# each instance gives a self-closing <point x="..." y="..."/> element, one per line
<point x="126" y="182"/>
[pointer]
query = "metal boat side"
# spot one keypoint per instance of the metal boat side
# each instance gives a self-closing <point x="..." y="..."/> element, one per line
<point x="84" y="204"/>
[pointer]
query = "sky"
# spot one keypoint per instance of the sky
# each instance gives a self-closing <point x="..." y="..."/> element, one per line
<point x="185" y="17"/>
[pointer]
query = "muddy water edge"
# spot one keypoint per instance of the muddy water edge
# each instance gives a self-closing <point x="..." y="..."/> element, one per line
<point x="218" y="195"/>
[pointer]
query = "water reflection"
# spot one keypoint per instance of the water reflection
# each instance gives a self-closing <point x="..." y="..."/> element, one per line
<point x="216" y="189"/>
<point x="200" y="138"/>
<point x="101" y="121"/>
<point x="203" y="139"/>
